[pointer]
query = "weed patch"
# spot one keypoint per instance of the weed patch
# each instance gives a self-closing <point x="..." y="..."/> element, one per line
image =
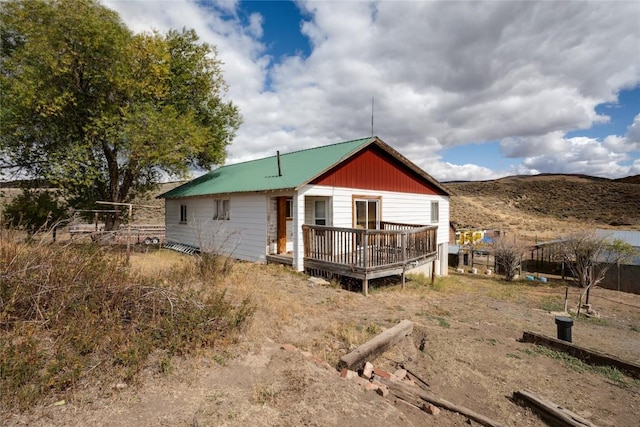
<point x="77" y="313"/>
<point x="575" y="364"/>
<point x="551" y="304"/>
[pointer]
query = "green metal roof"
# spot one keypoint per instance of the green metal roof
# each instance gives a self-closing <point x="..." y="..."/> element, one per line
<point x="298" y="168"/>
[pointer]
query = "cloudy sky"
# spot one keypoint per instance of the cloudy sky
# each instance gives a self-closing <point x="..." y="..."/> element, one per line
<point x="466" y="90"/>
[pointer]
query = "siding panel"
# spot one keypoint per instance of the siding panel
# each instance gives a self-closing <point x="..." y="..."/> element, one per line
<point x="244" y="236"/>
<point x="373" y="169"/>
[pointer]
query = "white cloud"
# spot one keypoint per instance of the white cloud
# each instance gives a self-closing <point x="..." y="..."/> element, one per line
<point x="633" y="133"/>
<point x="442" y="74"/>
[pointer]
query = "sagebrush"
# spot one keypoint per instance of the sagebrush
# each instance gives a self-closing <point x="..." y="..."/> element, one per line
<point x="76" y="314"/>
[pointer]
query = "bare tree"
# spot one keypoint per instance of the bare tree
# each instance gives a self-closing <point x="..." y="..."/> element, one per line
<point x="589" y="256"/>
<point x="508" y="255"/>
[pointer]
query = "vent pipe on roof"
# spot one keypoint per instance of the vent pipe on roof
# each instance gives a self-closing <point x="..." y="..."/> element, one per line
<point x="372" y="116"/>
<point x="278" y="156"/>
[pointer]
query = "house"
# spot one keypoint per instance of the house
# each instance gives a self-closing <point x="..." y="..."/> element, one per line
<point x="356" y="208"/>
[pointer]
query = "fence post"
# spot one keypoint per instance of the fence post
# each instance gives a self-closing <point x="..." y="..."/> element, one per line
<point x="403" y="245"/>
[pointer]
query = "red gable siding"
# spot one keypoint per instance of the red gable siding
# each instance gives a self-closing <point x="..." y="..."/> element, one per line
<point x="374" y="169"/>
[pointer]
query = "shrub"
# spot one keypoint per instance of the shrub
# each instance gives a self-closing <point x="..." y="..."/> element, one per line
<point x="71" y="314"/>
<point x="34" y="209"/>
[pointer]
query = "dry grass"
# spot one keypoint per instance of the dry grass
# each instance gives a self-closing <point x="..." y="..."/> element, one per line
<point x="76" y="314"/>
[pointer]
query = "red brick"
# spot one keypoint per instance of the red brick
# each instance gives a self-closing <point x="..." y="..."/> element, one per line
<point x="288" y="347"/>
<point x="382" y="373"/>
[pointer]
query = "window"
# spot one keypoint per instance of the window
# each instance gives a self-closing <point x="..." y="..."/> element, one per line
<point x="367" y="213"/>
<point x="183" y="214"/>
<point x="289" y="209"/>
<point x="320" y="212"/>
<point x="435" y="212"/>
<point x="221" y="209"/>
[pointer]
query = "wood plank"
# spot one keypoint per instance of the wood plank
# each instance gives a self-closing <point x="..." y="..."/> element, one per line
<point x="555" y="414"/>
<point x="405" y="392"/>
<point x="591" y="357"/>
<point x="376" y="346"/>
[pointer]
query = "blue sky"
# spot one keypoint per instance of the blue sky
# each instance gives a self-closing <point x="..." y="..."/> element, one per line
<point x="466" y="90"/>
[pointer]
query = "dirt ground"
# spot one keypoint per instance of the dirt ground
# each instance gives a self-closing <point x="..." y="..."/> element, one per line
<point x="469" y="327"/>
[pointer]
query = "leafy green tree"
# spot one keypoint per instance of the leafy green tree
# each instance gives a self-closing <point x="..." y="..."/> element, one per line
<point x="102" y="112"/>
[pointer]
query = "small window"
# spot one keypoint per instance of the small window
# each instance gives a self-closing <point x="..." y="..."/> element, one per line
<point x="435" y="212"/>
<point x="320" y="212"/>
<point x="221" y="209"/>
<point x="183" y="214"/>
<point x="289" y="209"/>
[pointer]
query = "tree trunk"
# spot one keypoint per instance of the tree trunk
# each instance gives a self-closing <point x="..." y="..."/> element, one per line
<point x="589" y="279"/>
<point x="111" y="221"/>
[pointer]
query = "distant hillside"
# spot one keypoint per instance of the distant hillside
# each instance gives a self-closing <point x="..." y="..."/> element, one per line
<point x="630" y="179"/>
<point x="547" y="204"/>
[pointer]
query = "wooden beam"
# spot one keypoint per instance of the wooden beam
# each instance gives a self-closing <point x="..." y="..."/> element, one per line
<point x="406" y="392"/>
<point x="591" y="357"/>
<point x="555" y="414"/>
<point x="376" y="346"/>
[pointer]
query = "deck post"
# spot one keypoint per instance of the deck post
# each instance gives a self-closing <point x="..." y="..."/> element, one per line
<point x="403" y="245"/>
<point x="365" y="260"/>
<point x="365" y="250"/>
<point x="433" y="273"/>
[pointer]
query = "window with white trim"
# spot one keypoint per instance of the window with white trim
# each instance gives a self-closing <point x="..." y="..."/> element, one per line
<point x="435" y="212"/>
<point x="221" y="209"/>
<point x="320" y="212"/>
<point x="289" y="208"/>
<point x="183" y="214"/>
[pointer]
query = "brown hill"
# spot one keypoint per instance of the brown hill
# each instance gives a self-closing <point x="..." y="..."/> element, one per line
<point x="546" y="205"/>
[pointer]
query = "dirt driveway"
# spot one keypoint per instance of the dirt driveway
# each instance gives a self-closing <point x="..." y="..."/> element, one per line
<point x="468" y="327"/>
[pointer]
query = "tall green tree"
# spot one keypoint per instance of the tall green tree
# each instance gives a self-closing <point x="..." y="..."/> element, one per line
<point x="102" y="112"/>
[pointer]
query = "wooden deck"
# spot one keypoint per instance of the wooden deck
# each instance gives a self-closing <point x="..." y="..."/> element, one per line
<point x="368" y="254"/>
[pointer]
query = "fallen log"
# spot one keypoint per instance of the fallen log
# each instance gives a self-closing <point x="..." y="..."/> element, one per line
<point x="375" y="346"/>
<point x="555" y="414"/>
<point x="588" y="356"/>
<point x="408" y="393"/>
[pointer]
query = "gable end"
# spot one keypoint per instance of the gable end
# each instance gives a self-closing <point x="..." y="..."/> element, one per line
<point x="374" y="168"/>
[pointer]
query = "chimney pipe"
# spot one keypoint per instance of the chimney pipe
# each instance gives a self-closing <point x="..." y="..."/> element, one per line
<point x="279" y="170"/>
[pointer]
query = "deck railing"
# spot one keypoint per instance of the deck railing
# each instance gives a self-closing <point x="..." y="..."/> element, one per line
<point x="362" y="250"/>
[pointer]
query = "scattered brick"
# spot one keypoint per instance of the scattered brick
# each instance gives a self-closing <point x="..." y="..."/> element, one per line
<point x="368" y="370"/>
<point x="400" y="374"/>
<point x="288" y="347"/>
<point x="382" y="373"/>
<point x="431" y="409"/>
<point x="348" y="374"/>
<point x="371" y="386"/>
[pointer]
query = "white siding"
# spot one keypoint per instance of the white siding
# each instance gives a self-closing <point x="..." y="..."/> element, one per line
<point x="395" y="207"/>
<point x="243" y="236"/>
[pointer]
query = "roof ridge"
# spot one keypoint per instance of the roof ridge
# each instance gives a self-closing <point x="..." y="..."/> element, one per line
<point x="326" y="146"/>
<point x="295" y="152"/>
